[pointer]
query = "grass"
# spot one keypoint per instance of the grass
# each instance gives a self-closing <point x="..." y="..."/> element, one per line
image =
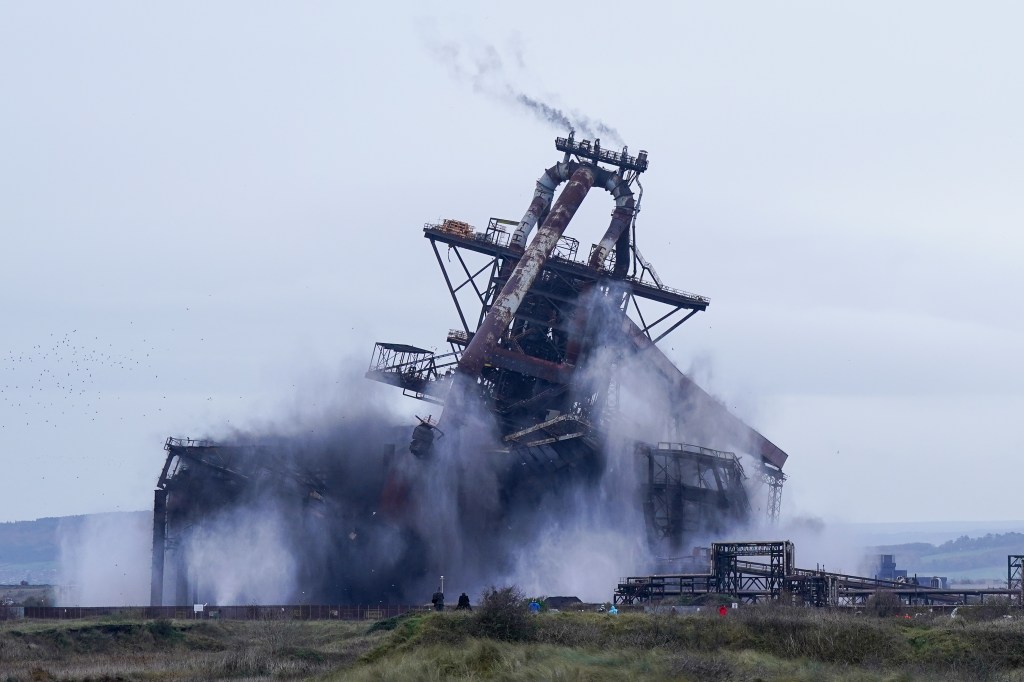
<point x="762" y="643"/>
<point x="108" y="650"/>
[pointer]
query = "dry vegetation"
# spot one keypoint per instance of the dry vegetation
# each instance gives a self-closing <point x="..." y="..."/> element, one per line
<point x="111" y="650"/>
<point x="500" y="641"/>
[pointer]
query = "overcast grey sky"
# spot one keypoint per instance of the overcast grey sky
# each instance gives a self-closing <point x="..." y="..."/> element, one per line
<point x="210" y="211"/>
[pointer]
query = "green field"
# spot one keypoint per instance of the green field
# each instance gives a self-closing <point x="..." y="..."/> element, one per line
<point x="762" y="643"/>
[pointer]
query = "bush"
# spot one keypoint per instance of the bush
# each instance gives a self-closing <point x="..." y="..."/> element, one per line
<point x="163" y="628"/>
<point x="990" y="610"/>
<point x="503" y="614"/>
<point x="884" y="603"/>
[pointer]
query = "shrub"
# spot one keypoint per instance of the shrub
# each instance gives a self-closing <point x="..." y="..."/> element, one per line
<point x="990" y="610"/>
<point x="884" y="603"/>
<point x="163" y="629"/>
<point x="503" y="614"/>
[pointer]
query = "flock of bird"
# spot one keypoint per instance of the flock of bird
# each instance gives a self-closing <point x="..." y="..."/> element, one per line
<point x="63" y="377"/>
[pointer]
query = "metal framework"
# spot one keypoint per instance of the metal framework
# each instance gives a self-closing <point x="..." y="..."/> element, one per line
<point x="772" y="477"/>
<point x="547" y="331"/>
<point x="418" y="372"/>
<point x="198" y="478"/>
<point x="1014" y="575"/>
<point x="593" y="151"/>
<point x="533" y="315"/>
<point x="733" y="573"/>
<point x="689" y="490"/>
<point x="735" y="576"/>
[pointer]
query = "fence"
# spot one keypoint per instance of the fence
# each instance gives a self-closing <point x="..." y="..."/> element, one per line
<point x="252" y="612"/>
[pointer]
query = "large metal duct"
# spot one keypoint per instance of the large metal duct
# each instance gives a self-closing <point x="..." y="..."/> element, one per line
<point x="485" y="341"/>
<point x="622" y="216"/>
<point x="499" y="317"/>
<point x="542" y="196"/>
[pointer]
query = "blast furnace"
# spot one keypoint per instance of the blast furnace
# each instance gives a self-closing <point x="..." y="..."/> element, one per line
<point x="553" y="381"/>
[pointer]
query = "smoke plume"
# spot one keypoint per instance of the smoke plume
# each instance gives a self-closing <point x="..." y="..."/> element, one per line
<point x="484" y="70"/>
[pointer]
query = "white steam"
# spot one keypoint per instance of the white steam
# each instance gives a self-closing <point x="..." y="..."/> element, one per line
<point x="245" y="555"/>
<point x="105" y="559"/>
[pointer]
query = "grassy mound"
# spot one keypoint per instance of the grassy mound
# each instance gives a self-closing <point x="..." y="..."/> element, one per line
<point x="507" y="643"/>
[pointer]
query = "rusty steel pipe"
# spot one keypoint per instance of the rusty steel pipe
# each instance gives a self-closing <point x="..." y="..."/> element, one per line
<point x="542" y="196"/>
<point x="625" y="206"/>
<point x="499" y="317"/>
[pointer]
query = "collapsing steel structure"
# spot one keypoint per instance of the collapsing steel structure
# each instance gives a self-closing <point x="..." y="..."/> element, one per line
<point x="200" y="478"/>
<point x="551" y="347"/>
<point x="546" y="336"/>
<point x="682" y="482"/>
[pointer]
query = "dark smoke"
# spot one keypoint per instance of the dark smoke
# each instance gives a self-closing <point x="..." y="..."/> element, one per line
<point x="272" y="542"/>
<point x="487" y="75"/>
<point x="390" y="524"/>
<point x="546" y="112"/>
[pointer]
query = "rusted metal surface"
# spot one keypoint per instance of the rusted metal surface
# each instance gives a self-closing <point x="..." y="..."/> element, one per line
<point x="622" y="216"/>
<point x="553" y="372"/>
<point x="536" y="361"/>
<point x="525" y="273"/>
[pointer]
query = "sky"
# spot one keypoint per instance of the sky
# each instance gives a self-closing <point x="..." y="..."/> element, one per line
<point x="211" y="211"/>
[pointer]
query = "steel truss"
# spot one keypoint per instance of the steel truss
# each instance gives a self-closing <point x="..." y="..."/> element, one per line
<point x="689" y="489"/>
<point x="1015" y="575"/>
<point x="774" y="478"/>
<point x="543" y="321"/>
<point x="733" y="576"/>
<point x="779" y="579"/>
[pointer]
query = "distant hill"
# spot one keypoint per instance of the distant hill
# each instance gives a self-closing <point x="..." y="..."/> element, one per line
<point x="964" y="558"/>
<point x="30" y="550"/>
<point x="934" y="532"/>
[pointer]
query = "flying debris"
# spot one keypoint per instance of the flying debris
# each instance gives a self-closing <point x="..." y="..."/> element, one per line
<point x="554" y="402"/>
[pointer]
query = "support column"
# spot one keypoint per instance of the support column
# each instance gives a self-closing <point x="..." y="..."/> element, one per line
<point x="156" y="588"/>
